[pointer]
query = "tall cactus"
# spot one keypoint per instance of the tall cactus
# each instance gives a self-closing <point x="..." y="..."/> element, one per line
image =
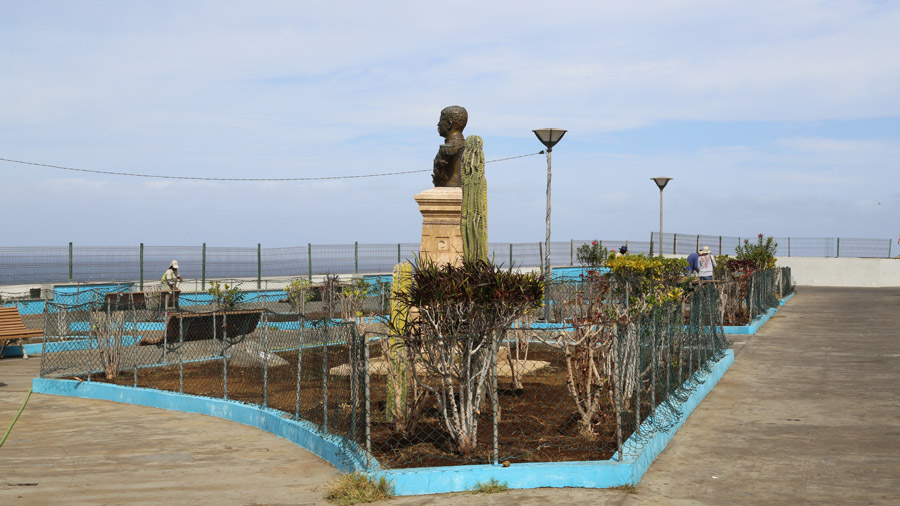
<point x="473" y="220"/>
<point x="392" y="348"/>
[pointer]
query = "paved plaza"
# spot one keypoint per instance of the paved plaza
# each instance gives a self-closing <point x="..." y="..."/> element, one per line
<point x="808" y="414"/>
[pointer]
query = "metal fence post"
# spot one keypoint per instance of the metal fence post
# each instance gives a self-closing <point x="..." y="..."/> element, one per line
<point x="70" y="262"/>
<point x="203" y="269"/>
<point x="495" y="402"/>
<point x="838" y="247"/>
<point x="720" y="244"/>
<point x="510" y="256"/>
<point x="258" y="266"/>
<point x="571" y="252"/>
<point x="356" y="257"/>
<point x="651" y="243"/>
<point x="398" y="252"/>
<point x="698" y="243"/>
<point x="142" y="267"/>
<point x="674" y="244"/>
<point x="789" y="246"/>
<point x="890" y="247"/>
<point x="309" y="260"/>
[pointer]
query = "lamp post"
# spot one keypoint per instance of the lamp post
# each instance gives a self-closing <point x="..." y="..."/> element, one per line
<point x="661" y="182"/>
<point x="548" y="137"/>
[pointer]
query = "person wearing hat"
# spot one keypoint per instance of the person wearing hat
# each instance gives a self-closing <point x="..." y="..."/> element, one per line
<point x="170" y="283"/>
<point x="706" y="264"/>
<point x="622" y="251"/>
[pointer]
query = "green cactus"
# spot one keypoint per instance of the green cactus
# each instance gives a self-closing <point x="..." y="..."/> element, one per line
<point x="473" y="219"/>
<point x="398" y="380"/>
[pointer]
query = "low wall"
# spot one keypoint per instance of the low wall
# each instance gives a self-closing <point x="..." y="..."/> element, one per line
<point x="860" y="272"/>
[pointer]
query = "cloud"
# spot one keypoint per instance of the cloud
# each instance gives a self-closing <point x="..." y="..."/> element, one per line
<point x="820" y="144"/>
<point x="284" y="89"/>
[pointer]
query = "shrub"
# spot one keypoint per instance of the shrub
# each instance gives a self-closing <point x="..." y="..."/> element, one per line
<point x="462" y="314"/>
<point x="761" y="253"/>
<point x="299" y="292"/>
<point x="592" y="255"/>
<point x="226" y="296"/>
<point x="649" y="280"/>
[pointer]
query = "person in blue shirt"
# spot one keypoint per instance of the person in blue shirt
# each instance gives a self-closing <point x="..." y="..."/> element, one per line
<point x="692" y="261"/>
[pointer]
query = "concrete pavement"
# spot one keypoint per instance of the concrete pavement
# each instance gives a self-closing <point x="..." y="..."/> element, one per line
<point x="808" y="414"/>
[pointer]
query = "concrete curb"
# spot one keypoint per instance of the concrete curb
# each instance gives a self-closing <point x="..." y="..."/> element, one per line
<point x="599" y="474"/>
<point x="347" y="457"/>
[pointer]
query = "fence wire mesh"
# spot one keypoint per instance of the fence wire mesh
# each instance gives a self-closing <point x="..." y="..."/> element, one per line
<point x="145" y="264"/>
<point x="592" y="384"/>
<point x="312" y="370"/>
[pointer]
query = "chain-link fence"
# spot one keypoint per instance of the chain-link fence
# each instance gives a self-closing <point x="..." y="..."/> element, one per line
<point x="585" y="388"/>
<point x="312" y="370"/>
<point x="744" y="296"/>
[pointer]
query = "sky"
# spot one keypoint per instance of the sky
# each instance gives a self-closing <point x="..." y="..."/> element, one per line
<point x="777" y="117"/>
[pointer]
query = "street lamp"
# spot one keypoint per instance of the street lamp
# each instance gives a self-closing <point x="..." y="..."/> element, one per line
<point x="661" y="182"/>
<point x="548" y="137"/>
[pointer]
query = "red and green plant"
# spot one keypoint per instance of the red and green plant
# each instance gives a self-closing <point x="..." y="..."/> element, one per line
<point x="761" y="253"/>
<point x="461" y="315"/>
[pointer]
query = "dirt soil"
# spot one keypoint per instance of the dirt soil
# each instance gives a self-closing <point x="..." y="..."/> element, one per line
<point x="538" y="423"/>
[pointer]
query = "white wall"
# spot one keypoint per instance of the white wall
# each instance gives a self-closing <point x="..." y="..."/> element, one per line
<point x="811" y="271"/>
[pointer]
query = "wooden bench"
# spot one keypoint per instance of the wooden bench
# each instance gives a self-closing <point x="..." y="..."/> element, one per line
<point x="12" y="328"/>
<point x="204" y="326"/>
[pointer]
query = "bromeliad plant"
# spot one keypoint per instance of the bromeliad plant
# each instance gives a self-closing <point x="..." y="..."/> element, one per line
<point x="461" y="315"/>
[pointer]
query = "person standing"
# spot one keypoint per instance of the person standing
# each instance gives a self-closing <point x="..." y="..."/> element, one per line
<point x="170" y="282"/>
<point x="692" y="262"/>
<point x="706" y="264"/>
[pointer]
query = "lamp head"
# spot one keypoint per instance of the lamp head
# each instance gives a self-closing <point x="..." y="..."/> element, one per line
<point x="661" y="181"/>
<point x="549" y="136"/>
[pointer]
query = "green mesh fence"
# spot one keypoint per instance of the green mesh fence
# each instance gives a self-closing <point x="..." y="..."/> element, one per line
<point x="590" y="386"/>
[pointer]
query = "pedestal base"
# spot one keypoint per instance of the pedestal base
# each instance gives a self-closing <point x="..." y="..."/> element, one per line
<point x="441" y="237"/>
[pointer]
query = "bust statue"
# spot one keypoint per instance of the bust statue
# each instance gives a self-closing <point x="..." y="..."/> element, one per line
<point x="447" y="161"/>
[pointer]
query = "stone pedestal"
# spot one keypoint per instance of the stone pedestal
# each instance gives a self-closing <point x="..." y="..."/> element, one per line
<point x="441" y="237"/>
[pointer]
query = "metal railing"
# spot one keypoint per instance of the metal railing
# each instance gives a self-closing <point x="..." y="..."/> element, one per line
<point x="142" y="264"/>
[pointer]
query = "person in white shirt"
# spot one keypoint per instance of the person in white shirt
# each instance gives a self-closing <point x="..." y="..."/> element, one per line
<point x="705" y="264"/>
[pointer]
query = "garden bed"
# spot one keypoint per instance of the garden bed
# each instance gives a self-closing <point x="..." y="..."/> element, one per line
<point x="538" y="422"/>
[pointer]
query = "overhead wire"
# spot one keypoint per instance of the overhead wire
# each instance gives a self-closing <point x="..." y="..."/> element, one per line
<point x="242" y="179"/>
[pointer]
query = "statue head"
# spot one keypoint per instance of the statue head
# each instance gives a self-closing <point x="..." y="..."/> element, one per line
<point x="453" y="118"/>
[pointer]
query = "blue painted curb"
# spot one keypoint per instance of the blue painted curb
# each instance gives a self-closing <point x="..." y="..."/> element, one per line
<point x="784" y="300"/>
<point x="348" y="457"/>
<point x="340" y="452"/>
<point x="754" y="325"/>
<point x="600" y="474"/>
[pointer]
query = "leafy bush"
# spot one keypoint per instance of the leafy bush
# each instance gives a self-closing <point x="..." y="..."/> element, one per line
<point x="761" y="253"/>
<point x="649" y="280"/>
<point x="299" y="292"/>
<point x="226" y="296"/>
<point x="592" y="255"/>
